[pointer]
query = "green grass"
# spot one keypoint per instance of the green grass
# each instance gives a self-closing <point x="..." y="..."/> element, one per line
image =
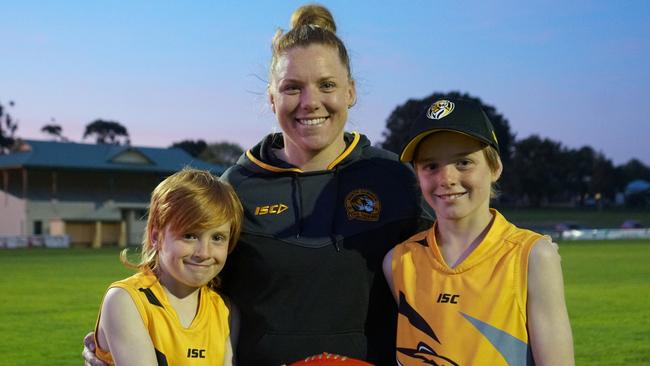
<point x="50" y="300"/>
<point x="607" y="293"/>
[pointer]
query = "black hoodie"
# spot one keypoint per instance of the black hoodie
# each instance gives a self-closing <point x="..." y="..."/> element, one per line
<point x="306" y="273"/>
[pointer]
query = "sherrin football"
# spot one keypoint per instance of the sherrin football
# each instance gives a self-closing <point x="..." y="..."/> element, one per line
<point x="325" y="359"/>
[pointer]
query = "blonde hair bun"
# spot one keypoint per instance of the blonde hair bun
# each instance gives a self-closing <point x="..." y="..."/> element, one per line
<point x="314" y="15"/>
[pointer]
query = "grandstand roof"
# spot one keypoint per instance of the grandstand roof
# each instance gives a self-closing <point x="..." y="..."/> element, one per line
<point x="105" y="157"/>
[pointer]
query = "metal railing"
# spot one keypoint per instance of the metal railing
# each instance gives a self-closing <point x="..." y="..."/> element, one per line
<point x="599" y="234"/>
<point x="34" y="241"/>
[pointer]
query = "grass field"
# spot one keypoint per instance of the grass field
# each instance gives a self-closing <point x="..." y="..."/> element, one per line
<point x="50" y="300"/>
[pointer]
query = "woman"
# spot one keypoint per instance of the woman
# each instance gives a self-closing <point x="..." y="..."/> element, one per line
<point x="321" y="209"/>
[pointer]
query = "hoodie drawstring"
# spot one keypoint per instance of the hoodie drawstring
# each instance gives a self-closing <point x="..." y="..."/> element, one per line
<point x="335" y="237"/>
<point x="298" y="201"/>
<point x="299" y="206"/>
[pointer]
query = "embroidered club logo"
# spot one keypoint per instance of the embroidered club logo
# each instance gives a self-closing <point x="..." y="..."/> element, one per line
<point x="440" y="109"/>
<point x="361" y="204"/>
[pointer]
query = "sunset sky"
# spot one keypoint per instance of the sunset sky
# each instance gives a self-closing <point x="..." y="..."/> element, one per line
<point x="577" y="72"/>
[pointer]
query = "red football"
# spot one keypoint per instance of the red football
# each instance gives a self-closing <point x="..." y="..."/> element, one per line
<point x="326" y="359"/>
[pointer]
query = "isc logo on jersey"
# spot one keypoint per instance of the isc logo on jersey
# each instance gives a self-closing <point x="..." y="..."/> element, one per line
<point x="271" y="209"/>
<point x="195" y="353"/>
<point x="444" y="298"/>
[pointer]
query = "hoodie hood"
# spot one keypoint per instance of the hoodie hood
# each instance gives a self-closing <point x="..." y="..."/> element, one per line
<point x="261" y="157"/>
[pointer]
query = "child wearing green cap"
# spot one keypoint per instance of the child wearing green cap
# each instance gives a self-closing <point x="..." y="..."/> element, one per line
<point x="474" y="289"/>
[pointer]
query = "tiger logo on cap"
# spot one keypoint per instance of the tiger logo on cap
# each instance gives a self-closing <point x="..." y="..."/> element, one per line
<point x="440" y="109"/>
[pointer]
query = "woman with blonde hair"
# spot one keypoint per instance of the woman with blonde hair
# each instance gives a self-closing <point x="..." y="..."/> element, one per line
<point x="322" y="208"/>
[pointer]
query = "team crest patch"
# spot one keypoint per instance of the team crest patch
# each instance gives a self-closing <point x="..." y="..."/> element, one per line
<point x="440" y="109"/>
<point x="361" y="204"/>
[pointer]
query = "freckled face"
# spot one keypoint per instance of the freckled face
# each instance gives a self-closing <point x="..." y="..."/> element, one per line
<point x="454" y="175"/>
<point x="310" y="93"/>
<point x="190" y="260"/>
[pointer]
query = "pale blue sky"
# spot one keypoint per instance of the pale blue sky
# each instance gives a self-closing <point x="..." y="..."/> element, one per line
<point x="577" y="72"/>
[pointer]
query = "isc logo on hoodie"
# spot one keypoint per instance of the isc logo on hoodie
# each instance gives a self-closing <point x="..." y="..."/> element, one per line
<point x="270" y="209"/>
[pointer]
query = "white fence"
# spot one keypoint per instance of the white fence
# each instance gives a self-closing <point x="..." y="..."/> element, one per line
<point x="602" y="234"/>
<point x="34" y="241"/>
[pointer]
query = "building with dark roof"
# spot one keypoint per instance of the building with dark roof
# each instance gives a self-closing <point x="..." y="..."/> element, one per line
<point x="94" y="193"/>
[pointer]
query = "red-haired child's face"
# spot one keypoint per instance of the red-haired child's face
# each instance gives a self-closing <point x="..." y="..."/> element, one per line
<point x="189" y="260"/>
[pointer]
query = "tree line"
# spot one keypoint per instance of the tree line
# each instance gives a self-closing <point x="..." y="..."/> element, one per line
<point x="112" y="132"/>
<point x="538" y="170"/>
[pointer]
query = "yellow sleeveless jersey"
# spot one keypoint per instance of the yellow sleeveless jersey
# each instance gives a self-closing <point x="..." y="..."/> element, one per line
<point x="473" y="314"/>
<point x="203" y="343"/>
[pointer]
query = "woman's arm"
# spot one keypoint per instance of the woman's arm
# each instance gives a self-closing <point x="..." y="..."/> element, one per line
<point x="231" y="342"/>
<point x="122" y="331"/>
<point x="387" y="266"/>
<point x="88" y="353"/>
<point x="548" y="320"/>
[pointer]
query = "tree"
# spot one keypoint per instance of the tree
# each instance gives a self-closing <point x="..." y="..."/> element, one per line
<point x="603" y="182"/>
<point x="537" y="170"/>
<point x="632" y="170"/>
<point x="589" y="173"/>
<point x="54" y="131"/>
<point x="107" y="132"/>
<point x="8" y="127"/>
<point x="578" y="173"/>
<point x="399" y="122"/>
<point x="225" y="153"/>
<point x="192" y="147"/>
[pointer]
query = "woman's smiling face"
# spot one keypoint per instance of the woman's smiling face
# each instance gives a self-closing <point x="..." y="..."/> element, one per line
<point x="310" y="93"/>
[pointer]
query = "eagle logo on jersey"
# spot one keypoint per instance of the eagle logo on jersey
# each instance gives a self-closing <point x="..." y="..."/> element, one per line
<point x="440" y="109"/>
<point x="422" y="351"/>
<point x="362" y="204"/>
<point x="427" y="355"/>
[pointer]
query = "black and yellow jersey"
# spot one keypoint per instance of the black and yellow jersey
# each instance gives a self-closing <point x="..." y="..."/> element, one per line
<point x="472" y="314"/>
<point x="202" y="343"/>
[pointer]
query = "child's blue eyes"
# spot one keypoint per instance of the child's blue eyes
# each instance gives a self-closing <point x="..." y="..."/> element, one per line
<point x="431" y="167"/>
<point x="193" y="237"/>
<point x="461" y="164"/>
